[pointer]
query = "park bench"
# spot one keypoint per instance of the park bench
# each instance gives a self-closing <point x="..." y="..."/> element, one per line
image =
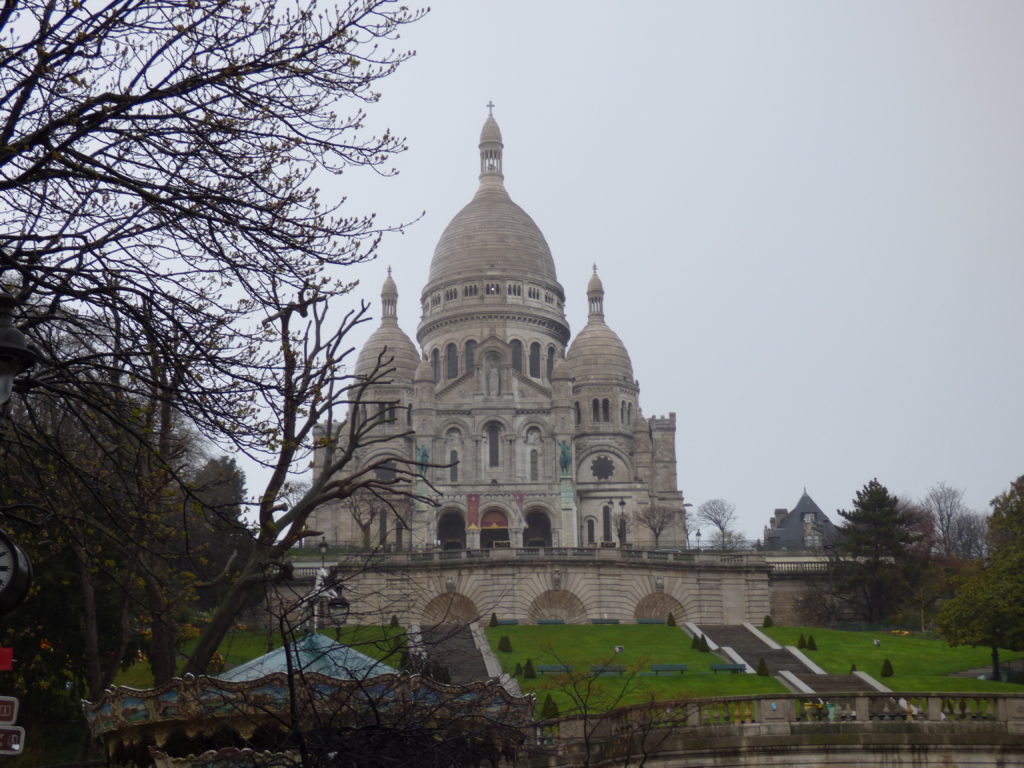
<point x="668" y="668"/>
<point x="734" y="668"/>
<point x="507" y="622"/>
<point x="550" y="621"/>
<point x="607" y="670"/>
<point x="604" y="621"/>
<point x="650" y="621"/>
<point x="553" y="669"/>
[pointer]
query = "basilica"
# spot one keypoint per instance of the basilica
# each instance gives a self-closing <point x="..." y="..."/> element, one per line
<point x="533" y="437"/>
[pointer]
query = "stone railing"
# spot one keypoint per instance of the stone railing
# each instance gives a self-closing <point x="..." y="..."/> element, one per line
<point x="574" y="554"/>
<point x="790" y="709"/>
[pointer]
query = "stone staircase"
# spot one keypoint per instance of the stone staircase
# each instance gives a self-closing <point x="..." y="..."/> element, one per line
<point x="451" y="645"/>
<point x="752" y="648"/>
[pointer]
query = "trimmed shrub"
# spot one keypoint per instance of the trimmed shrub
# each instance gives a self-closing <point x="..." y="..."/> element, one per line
<point x="811" y="645"/>
<point x="887" y="669"/>
<point x="704" y="647"/>
<point x="762" y="667"/>
<point x="671" y="620"/>
<point x="853" y="668"/>
<point x="504" y="644"/>
<point x="768" y="621"/>
<point x="802" y="642"/>
<point x="518" y="671"/>
<point x="394" y="622"/>
<point x="549" y="710"/>
<point x="494" y="619"/>
<point x="695" y="643"/>
<point x="528" y="671"/>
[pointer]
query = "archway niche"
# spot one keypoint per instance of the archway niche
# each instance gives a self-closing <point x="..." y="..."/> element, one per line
<point x="658" y="605"/>
<point x="493" y="528"/>
<point x="449" y="608"/>
<point x="538" y="529"/>
<point x="451" y="531"/>
<point x="557" y="604"/>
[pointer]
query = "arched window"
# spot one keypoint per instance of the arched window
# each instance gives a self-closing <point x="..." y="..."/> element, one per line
<point x="453" y="471"/>
<point x="517" y="355"/>
<point x="392" y="413"/>
<point x="451" y="355"/>
<point x="535" y="360"/>
<point x="606" y="410"/>
<point x="551" y="362"/>
<point x="579" y="416"/>
<point x="591" y="533"/>
<point x="606" y="519"/>
<point x="470" y="355"/>
<point x="384" y="526"/>
<point x="435" y="360"/>
<point x="629" y="413"/>
<point x="534" y="466"/>
<point x="597" y="410"/>
<point x="493" y="445"/>
<point x="408" y="415"/>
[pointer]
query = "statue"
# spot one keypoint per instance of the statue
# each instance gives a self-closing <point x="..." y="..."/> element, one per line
<point x="422" y="455"/>
<point x="565" y="457"/>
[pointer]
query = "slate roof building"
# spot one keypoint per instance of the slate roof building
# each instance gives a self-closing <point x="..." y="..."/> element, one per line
<point x="544" y="432"/>
<point x="805" y="527"/>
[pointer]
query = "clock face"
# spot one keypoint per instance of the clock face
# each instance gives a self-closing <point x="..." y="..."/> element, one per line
<point x="15" y="574"/>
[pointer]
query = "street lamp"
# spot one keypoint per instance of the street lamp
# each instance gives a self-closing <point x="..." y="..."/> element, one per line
<point x="15" y="356"/>
<point x="698" y="539"/>
<point x="322" y="546"/>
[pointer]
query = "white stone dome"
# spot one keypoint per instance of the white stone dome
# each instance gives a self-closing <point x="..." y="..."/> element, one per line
<point x="388" y="346"/>
<point x="597" y="354"/>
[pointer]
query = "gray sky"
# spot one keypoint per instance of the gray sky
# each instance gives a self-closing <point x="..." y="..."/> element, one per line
<point x="807" y="217"/>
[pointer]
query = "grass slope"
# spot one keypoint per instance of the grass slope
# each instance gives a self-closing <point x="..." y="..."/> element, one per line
<point x="920" y="663"/>
<point x="582" y="646"/>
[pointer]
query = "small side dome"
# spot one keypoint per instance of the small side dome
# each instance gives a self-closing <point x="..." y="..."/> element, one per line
<point x="388" y="345"/>
<point x="597" y="353"/>
<point x="490" y="133"/>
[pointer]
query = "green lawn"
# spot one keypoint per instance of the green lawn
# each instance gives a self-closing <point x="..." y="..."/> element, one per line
<point x="582" y="646"/>
<point x="241" y="646"/>
<point x="919" y="663"/>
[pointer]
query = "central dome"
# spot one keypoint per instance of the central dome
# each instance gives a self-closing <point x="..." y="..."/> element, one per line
<point x="491" y="234"/>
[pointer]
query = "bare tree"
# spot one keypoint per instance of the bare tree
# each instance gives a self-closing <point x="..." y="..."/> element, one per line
<point x="160" y="214"/>
<point x="658" y="518"/>
<point x="958" y="530"/>
<point x="720" y="515"/>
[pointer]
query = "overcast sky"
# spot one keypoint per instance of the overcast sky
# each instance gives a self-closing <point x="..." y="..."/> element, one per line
<point x="807" y="217"/>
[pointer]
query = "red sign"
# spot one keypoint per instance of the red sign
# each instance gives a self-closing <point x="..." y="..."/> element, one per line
<point x="12" y="739"/>
<point x="6" y="659"/>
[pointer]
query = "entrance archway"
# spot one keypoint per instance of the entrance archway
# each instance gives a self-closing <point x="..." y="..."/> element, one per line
<point x="451" y="531"/>
<point x="493" y="528"/>
<point x="538" y="530"/>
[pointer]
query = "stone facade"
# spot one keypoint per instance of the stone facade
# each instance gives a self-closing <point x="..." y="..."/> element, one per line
<point x="543" y="441"/>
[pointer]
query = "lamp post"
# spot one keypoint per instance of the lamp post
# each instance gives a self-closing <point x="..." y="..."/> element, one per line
<point x="698" y="539"/>
<point x="15" y="356"/>
<point x="622" y="522"/>
<point x="322" y="546"/>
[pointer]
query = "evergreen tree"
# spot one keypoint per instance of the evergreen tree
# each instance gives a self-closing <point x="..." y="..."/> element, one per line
<point x="504" y="644"/>
<point x="671" y="621"/>
<point x="811" y="645"/>
<point x="878" y="562"/>
<point x="528" y="671"/>
<point x="801" y="643"/>
<point x="887" y="670"/>
<point x="549" y="710"/>
<point x="762" y="667"/>
<point x="768" y="621"/>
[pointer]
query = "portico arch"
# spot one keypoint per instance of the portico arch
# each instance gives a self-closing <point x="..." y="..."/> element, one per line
<point x="658" y="605"/>
<point x="451" y="530"/>
<point x="449" y="608"/>
<point x="558" y="604"/>
<point x="538" y="529"/>
<point x="493" y="527"/>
